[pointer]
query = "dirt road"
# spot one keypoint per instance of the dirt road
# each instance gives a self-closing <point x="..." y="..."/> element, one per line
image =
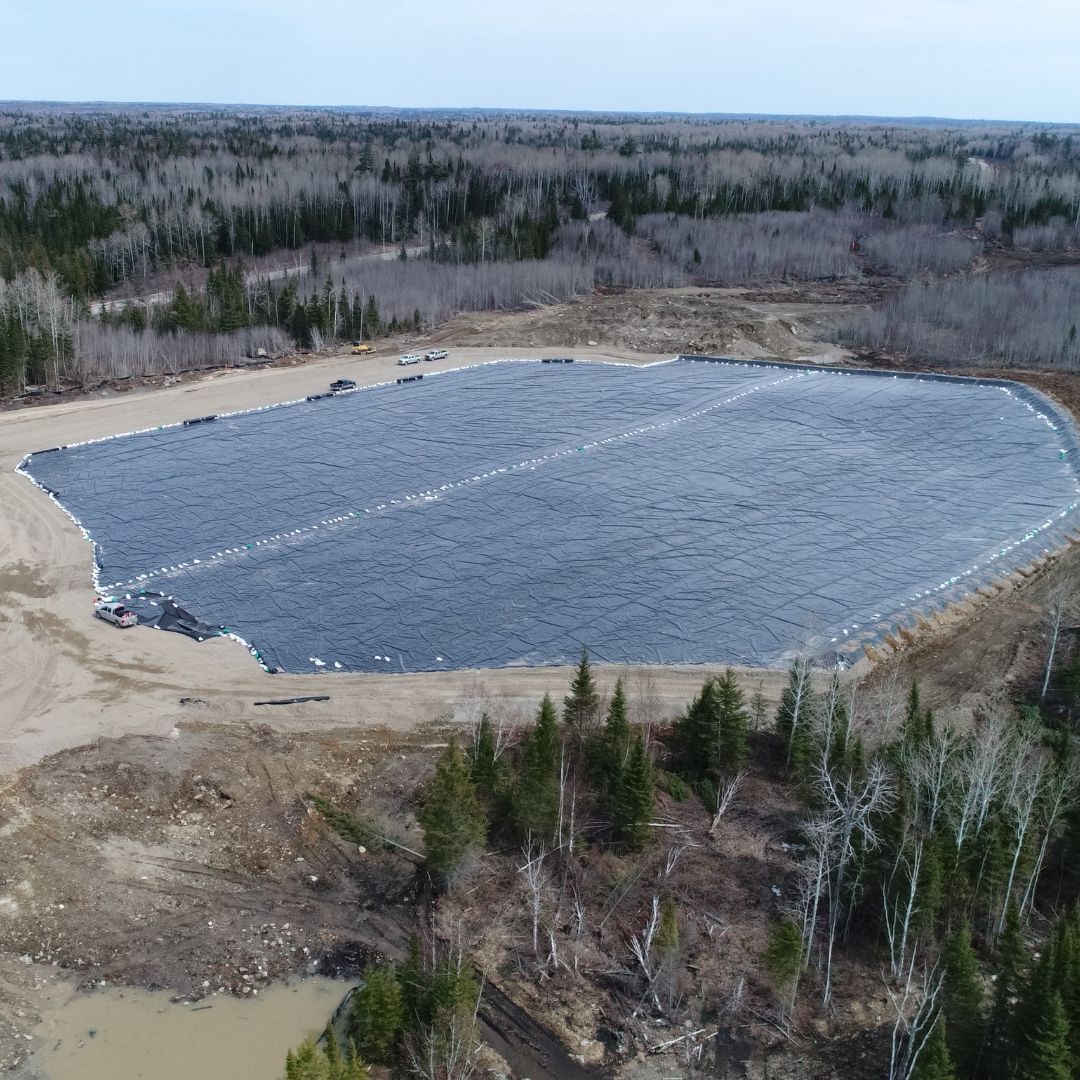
<point x="68" y="679"/>
<point x="299" y="269"/>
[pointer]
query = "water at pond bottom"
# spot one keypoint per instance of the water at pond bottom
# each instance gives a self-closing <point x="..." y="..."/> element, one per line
<point x="131" y="1034"/>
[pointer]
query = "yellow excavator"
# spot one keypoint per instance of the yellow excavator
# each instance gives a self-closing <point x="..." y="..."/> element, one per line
<point x="361" y="348"/>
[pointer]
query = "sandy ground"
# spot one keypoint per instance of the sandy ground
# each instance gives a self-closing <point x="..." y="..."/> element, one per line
<point x="68" y="678"/>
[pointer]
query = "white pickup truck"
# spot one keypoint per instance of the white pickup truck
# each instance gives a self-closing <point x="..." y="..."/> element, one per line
<point x="408" y="358"/>
<point x="115" y="613"/>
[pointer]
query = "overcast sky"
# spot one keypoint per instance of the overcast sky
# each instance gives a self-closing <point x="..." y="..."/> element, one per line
<point x="992" y="59"/>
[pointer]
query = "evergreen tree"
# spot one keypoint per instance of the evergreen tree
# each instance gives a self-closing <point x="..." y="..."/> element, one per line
<point x="962" y="1002"/>
<point x="331" y="1050"/>
<point x="928" y="727"/>
<point x="732" y="749"/>
<point x="694" y="733"/>
<point x="377" y="1018"/>
<point x="931" y="885"/>
<point x="1048" y="1056"/>
<point x="918" y="725"/>
<point x="759" y="708"/>
<point x="324" y="1062"/>
<point x="1003" y="1038"/>
<point x="610" y="749"/>
<point x="487" y="771"/>
<point x="710" y="737"/>
<point x="415" y="985"/>
<point x="451" y="816"/>
<point x="634" y="798"/>
<point x="453" y="988"/>
<point x="451" y="1032"/>
<point x="1067" y="977"/>
<point x="783" y="955"/>
<point x="583" y="701"/>
<point x="536" y="794"/>
<point x="371" y="317"/>
<point x="934" y="1061"/>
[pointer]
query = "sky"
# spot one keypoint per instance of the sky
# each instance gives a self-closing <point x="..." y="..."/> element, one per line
<point x="976" y="59"/>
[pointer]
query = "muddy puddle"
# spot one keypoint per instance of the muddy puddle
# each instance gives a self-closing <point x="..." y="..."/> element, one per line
<point x="115" y="1034"/>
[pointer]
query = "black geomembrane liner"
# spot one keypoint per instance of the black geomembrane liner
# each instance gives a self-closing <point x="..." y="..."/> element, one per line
<point x="692" y="511"/>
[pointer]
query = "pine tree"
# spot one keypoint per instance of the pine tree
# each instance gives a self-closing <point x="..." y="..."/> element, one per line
<point x="331" y="1051"/>
<point x="783" y="955"/>
<point x="371" y="317"/>
<point x="453" y="988"/>
<point x="311" y="1062"/>
<point x="415" y="986"/>
<point x="487" y="772"/>
<point x="377" y="1018"/>
<point x="694" y="733"/>
<point x="931" y="884"/>
<point x="759" y="708"/>
<point x="962" y="1002"/>
<point x="1047" y="1055"/>
<point x="918" y="725"/>
<point x="581" y="704"/>
<point x="928" y="727"/>
<point x="536" y="794"/>
<point x="635" y="798"/>
<point x="732" y="749"/>
<point x="609" y="750"/>
<point x="450" y="1029"/>
<point x="452" y="818"/>
<point x="1003" y="1038"/>
<point x="710" y="737"/>
<point x="1067" y="976"/>
<point x="934" y="1061"/>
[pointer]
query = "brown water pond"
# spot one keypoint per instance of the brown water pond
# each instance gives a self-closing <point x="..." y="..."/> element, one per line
<point x="125" y="1034"/>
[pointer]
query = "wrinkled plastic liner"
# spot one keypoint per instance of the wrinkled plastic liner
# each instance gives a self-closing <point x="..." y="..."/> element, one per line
<point x="693" y="511"/>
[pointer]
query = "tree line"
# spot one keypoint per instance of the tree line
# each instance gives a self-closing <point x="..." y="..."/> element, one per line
<point x="189" y="206"/>
<point x="105" y="197"/>
<point x="1022" y="319"/>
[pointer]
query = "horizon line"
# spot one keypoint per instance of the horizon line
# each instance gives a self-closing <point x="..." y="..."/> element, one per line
<point x="102" y="103"/>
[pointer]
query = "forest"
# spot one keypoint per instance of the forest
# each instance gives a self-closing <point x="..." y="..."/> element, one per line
<point x="923" y="862"/>
<point x="257" y="229"/>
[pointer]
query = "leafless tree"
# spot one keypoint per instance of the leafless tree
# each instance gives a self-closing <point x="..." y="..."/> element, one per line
<point x="916" y="1007"/>
<point x="641" y="947"/>
<point x="534" y="875"/>
<point x="979" y="768"/>
<point x="899" y="894"/>
<point x="725" y="796"/>
<point x="1059" y="794"/>
<point x="847" y="825"/>
<point x="1022" y="795"/>
<point x="928" y="768"/>
<point x="1056" y="619"/>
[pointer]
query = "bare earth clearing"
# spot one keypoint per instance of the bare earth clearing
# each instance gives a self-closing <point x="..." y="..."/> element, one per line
<point x="155" y="842"/>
